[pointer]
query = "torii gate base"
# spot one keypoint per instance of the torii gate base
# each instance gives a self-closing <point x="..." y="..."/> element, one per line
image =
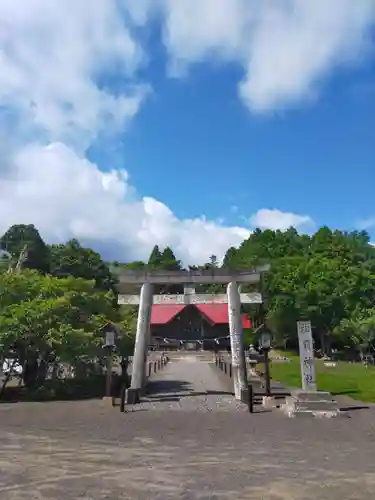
<point x="189" y="278"/>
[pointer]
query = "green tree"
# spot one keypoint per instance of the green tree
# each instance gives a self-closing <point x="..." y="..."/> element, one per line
<point x="5" y="260"/>
<point x="164" y="261"/>
<point x="214" y="263"/>
<point x="155" y="259"/>
<point x="128" y="324"/>
<point x="71" y="259"/>
<point x="358" y="331"/>
<point x="168" y="261"/>
<point x="136" y="265"/>
<point x="19" y="236"/>
<point x="48" y="318"/>
<point x="326" y="284"/>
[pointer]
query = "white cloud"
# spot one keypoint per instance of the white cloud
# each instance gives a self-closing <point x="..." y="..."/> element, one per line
<point x="53" y="53"/>
<point x="55" y="56"/>
<point x="286" y="47"/>
<point x="66" y="196"/>
<point x="275" y="219"/>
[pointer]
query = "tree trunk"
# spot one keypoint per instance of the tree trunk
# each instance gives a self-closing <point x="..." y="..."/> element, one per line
<point x="42" y="371"/>
<point x="322" y="343"/>
<point x="285" y="342"/>
<point x="30" y="373"/>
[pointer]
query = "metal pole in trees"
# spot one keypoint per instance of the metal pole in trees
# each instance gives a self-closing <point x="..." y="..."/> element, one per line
<point x="236" y="341"/>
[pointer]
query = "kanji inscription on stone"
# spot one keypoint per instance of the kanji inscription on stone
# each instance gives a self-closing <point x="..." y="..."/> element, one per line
<point x="306" y="353"/>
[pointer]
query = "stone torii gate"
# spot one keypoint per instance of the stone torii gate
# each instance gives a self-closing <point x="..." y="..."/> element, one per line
<point x="189" y="279"/>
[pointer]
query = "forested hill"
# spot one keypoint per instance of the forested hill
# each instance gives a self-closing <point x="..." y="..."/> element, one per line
<point x="328" y="278"/>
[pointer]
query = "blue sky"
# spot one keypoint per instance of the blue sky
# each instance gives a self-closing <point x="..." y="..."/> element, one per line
<point x="207" y="153"/>
<point x="186" y="123"/>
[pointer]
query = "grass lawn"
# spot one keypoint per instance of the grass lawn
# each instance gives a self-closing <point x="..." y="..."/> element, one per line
<point x="350" y="379"/>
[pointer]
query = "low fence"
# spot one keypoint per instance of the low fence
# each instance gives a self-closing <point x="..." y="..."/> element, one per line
<point x="226" y="368"/>
<point x="225" y="365"/>
<point x="256" y="377"/>
<point x="152" y="367"/>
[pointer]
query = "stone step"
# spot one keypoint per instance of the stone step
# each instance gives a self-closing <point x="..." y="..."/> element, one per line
<point x="312" y="403"/>
<point x="317" y="414"/>
<point x="322" y="412"/>
<point x="316" y="406"/>
<point x="300" y="395"/>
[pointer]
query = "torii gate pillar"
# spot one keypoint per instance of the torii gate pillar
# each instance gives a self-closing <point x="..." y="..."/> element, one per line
<point x="236" y="342"/>
<point x="138" y="379"/>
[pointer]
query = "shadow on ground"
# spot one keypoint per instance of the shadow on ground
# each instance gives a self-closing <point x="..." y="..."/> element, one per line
<point x="170" y="396"/>
<point x="168" y="386"/>
<point x="346" y="393"/>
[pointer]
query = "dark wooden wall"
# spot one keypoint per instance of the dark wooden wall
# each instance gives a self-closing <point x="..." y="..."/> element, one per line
<point x="187" y="325"/>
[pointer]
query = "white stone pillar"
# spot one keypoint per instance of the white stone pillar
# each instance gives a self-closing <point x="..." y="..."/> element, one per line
<point x="141" y="340"/>
<point x="147" y="344"/>
<point x="239" y="371"/>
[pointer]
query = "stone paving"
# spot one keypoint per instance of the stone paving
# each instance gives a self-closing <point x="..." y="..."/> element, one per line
<point x="87" y="450"/>
<point x="190" y="383"/>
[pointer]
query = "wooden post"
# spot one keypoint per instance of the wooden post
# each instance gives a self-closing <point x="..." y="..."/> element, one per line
<point x="250" y="400"/>
<point x="108" y="381"/>
<point x="267" y="377"/>
<point x="122" y="400"/>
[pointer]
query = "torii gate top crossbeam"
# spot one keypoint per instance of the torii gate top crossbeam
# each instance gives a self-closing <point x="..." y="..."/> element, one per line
<point x="194" y="277"/>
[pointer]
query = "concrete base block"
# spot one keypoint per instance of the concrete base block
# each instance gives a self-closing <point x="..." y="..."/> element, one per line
<point x="289" y="412"/>
<point x="133" y="396"/>
<point x="301" y="395"/>
<point x="269" y="402"/>
<point x="316" y="405"/>
<point x="108" y="401"/>
<point x="310" y="404"/>
<point x="311" y="414"/>
<point x="327" y="414"/>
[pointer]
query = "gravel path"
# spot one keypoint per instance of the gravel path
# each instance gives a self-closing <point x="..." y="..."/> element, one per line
<point x="190" y="383"/>
<point x="90" y="451"/>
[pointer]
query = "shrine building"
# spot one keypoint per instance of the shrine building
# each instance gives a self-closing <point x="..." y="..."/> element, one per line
<point x="176" y="325"/>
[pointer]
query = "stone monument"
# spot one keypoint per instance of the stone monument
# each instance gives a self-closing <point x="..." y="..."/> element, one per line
<point x="309" y="401"/>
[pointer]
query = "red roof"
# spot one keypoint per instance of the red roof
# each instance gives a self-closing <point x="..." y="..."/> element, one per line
<point x="215" y="313"/>
<point x="162" y="314"/>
